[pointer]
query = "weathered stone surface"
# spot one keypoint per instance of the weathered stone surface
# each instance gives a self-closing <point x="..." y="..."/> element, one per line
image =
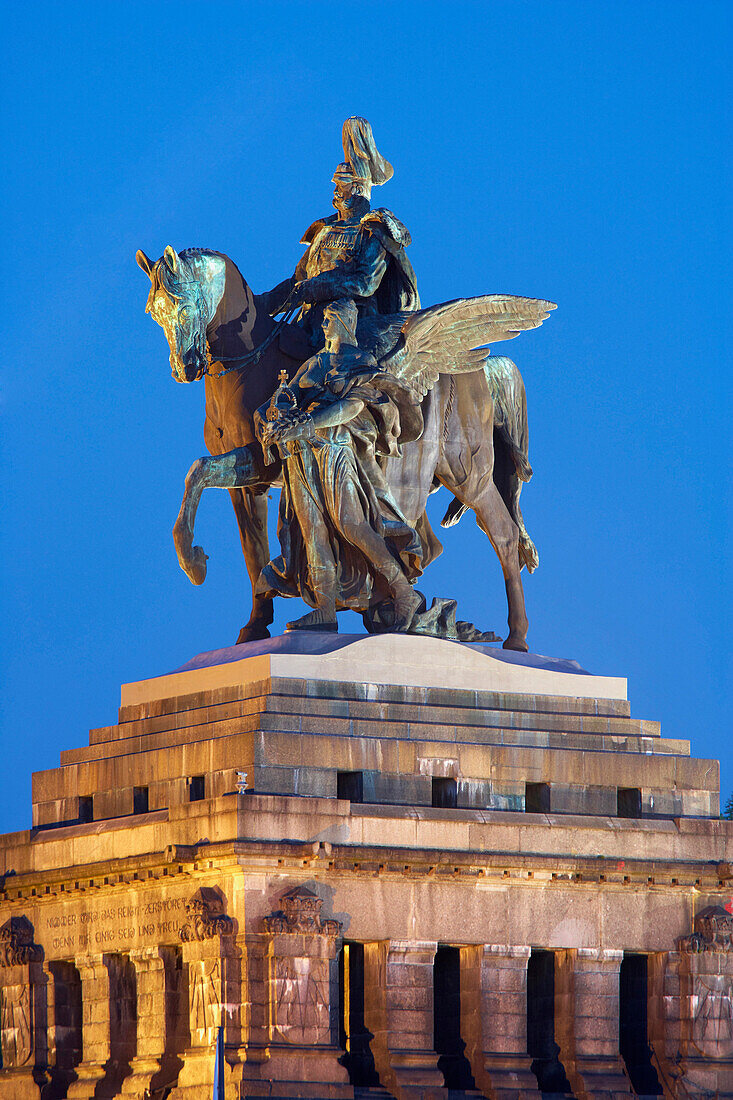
<point x="150" y="930"/>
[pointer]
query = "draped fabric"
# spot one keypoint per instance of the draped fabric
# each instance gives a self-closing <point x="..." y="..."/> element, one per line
<point x="330" y="485"/>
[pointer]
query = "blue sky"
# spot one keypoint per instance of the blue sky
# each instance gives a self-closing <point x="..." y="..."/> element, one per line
<point x="574" y="151"/>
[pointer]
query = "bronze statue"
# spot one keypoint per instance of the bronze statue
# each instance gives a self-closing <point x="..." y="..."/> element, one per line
<point x="465" y="423"/>
<point x="344" y="542"/>
<point x="356" y="253"/>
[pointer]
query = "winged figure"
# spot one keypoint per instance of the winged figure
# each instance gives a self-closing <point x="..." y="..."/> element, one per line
<point x="450" y="338"/>
<point x="345" y="541"/>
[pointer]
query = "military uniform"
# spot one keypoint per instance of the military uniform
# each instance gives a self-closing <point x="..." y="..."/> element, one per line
<point x="363" y="259"/>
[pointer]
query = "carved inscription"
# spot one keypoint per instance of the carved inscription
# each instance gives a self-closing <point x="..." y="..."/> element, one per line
<point x="118" y="925"/>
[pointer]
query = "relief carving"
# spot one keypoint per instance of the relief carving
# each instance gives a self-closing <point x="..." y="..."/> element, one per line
<point x="16" y="949"/>
<point x="205" y="1003"/>
<point x="302" y="1000"/>
<point x="15" y="1025"/>
<point x="712" y="1015"/>
<point x="16" y="943"/>
<point x="205" y="917"/>
<point x="713" y="933"/>
<point x="300" y="913"/>
<point x="709" y="951"/>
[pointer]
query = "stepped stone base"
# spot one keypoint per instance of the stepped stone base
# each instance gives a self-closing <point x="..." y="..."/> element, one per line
<point x="193" y="869"/>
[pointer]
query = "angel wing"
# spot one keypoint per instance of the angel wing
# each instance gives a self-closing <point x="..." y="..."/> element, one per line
<point x="452" y="338"/>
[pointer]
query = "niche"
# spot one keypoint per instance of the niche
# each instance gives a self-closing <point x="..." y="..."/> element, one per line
<point x="447" y="1042"/>
<point x="541" y="1045"/>
<point x="354" y="1038"/>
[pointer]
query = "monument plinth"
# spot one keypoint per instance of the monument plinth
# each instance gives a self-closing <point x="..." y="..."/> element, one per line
<point x="432" y="838"/>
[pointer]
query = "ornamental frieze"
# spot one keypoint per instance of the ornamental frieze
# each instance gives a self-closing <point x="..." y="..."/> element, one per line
<point x="205" y="918"/>
<point x="300" y="913"/>
<point x="16" y="943"/>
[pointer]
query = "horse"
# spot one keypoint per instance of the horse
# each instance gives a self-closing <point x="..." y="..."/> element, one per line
<point x="474" y="440"/>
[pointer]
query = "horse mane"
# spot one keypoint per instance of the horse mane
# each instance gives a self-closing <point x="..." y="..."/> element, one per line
<point x="163" y="278"/>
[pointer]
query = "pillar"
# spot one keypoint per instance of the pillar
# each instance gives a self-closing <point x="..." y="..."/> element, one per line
<point x="298" y="979"/>
<point x="398" y="1010"/>
<point x="22" y="1012"/>
<point x="212" y="968"/>
<point x="157" y="1007"/>
<point x="693" y="1017"/>
<point x="494" y="1020"/>
<point x="95" y="996"/>
<point x="586" y="1022"/>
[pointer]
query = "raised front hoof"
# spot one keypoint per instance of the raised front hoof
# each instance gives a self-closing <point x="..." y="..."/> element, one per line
<point x="253" y="632"/>
<point x="516" y="643"/>
<point x="195" y="565"/>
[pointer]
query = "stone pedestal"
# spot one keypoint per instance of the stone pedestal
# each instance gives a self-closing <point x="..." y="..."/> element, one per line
<point x="586" y="1022"/>
<point x="398" y="1010"/>
<point x="22" y="1012"/>
<point x="529" y="758"/>
<point x="494" y="1020"/>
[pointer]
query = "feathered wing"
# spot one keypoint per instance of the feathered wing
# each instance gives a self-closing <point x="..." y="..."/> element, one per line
<point x="452" y="338"/>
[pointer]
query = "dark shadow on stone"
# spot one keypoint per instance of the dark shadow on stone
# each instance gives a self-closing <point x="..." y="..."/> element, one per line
<point x="447" y="1042"/>
<point x="541" y="1045"/>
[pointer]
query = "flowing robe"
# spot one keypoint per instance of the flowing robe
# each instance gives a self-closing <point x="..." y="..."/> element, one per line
<point x="331" y="484"/>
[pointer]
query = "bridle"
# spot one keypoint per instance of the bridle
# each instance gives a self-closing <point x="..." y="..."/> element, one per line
<point x="239" y="362"/>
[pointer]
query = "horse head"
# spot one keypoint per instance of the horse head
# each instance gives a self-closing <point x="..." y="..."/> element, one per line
<point x="185" y="292"/>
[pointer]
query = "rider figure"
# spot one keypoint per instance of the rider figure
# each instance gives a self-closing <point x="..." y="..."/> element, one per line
<point x="356" y="253"/>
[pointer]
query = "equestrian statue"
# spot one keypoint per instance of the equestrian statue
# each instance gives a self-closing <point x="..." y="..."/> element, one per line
<point x="359" y="404"/>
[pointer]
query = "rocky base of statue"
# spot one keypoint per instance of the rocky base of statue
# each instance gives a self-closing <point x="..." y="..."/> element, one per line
<point x="437" y="621"/>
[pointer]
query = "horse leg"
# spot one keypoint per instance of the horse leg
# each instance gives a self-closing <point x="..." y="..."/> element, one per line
<point x="466" y="469"/>
<point x="503" y="533"/>
<point x="236" y="467"/>
<point x="251" y="513"/>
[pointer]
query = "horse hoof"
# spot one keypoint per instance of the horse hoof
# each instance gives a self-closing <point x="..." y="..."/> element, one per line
<point x="516" y="643"/>
<point x="196" y="566"/>
<point x="252" y="632"/>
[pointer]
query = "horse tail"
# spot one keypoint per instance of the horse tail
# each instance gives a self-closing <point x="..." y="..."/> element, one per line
<point x="511" y="436"/>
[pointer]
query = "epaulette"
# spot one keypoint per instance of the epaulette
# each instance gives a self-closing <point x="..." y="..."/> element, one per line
<point x="311" y="231"/>
<point x="389" y="228"/>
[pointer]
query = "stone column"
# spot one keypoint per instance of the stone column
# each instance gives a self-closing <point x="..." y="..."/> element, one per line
<point x="95" y="995"/>
<point x="153" y="982"/>
<point x="398" y="1010"/>
<point x="586" y="1022"/>
<point x="22" y="1012"/>
<point x="64" y="1023"/>
<point x="209" y="960"/>
<point x="299" y="968"/>
<point x="494" y="1020"/>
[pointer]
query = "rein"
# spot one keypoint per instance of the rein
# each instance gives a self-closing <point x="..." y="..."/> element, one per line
<point x="239" y="362"/>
